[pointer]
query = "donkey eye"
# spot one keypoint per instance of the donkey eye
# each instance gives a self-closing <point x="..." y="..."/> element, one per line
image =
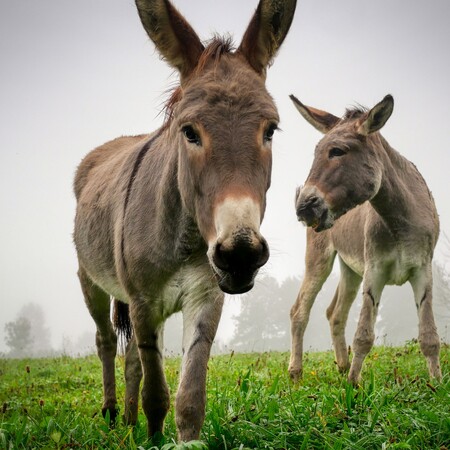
<point x="268" y="134"/>
<point x="335" y="152"/>
<point x="191" y="135"/>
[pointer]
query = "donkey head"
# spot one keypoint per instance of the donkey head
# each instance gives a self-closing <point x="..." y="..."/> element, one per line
<point x="347" y="168"/>
<point x="222" y="120"/>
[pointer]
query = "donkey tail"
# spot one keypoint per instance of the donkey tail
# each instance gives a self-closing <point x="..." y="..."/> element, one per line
<point x="122" y="323"/>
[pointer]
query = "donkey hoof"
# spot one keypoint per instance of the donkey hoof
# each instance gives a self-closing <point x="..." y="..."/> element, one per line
<point x="436" y="374"/>
<point x="129" y="419"/>
<point x="353" y="379"/>
<point x="343" y="370"/>
<point x="295" y="375"/>
<point x="110" y="414"/>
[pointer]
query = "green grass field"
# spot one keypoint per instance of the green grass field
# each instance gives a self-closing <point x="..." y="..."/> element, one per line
<point x="56" y="403"/>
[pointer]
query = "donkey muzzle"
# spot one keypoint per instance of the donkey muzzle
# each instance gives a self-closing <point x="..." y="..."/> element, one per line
<point x="237" y="259"/>
<point x="312" y="210"/>
<point x="237" y="250"/>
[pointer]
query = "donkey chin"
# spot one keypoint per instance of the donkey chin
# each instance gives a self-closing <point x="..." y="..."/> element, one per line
<point x="236" y="261"/>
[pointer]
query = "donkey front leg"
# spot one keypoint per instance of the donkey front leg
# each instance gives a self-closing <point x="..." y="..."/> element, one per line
<point x="365" y="334"/>
<point x="428" y="337"/>
<point x="318" y="268"/>
<point x="149" y="340"/>
<point x="200" y="322"/>
<point x="337" y="313"/>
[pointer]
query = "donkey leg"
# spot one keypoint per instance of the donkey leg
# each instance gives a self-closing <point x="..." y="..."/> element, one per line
<point x="155" y="392"/>
<point x="318" y="268"/>
<point x="300" y="312"/>
<point x="422" y="285"/>
<point x="337" y="313"/>
<point x="200" y="322"/>
<point x="133" y="376"/>
<point x="98" y="303"/>
<point x="365" y="335"/>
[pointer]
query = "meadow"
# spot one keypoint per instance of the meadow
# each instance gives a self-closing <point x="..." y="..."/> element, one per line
<point x="56" y="403"/>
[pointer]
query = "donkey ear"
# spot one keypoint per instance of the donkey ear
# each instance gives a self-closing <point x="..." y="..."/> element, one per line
<point x="266" y="32"/>
<point x="377" y="116"/>
<point x="174" y="38"/>
<point x="320" y="120"/>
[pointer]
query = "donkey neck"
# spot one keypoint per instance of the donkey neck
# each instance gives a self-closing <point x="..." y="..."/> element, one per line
<point x="402" y="191"/>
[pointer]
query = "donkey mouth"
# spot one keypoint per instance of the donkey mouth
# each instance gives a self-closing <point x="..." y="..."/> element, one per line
<point x="318" y="223"/>
<point x="235" y="283"/>
<point x="321" y="224"/>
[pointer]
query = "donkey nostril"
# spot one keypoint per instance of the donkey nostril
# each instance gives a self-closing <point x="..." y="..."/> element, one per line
<point x="310" y="202"/>
<point x="220" y="257"/>
<point x="264" y="254"/>
<point x="241" y="256"/>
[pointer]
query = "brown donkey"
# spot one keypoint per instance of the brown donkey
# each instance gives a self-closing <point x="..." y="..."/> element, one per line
<point x="387" y="235"/>
<point x="169" y="221"/>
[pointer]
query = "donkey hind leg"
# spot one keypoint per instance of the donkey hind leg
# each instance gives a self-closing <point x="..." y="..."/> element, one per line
<point x="98" y="303"/>
<point x="133" y="377"/>
<point x="365" y="334"/>
<point x="428" y="337"/>
<point x="337" y="313"/>
<point x="200" y="322"/>
<point x="318" y="268"/>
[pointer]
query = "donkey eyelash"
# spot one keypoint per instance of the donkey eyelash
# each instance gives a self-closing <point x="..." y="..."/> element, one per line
<point x="269" y="132"/>
<point x="336" y="152"/>
<point x="191" y="135"/>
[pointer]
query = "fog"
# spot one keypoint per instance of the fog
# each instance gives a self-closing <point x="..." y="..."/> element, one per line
<point x="77" y="74"/>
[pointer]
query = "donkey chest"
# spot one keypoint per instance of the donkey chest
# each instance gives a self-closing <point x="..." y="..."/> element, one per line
<point x="191" y="284"/>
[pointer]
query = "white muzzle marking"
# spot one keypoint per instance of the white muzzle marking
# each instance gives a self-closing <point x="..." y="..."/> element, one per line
<point x="236" y="214"/>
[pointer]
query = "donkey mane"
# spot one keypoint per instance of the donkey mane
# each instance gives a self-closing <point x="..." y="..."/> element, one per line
<point x="355" y="112"/>
<point x="215" y="48"/>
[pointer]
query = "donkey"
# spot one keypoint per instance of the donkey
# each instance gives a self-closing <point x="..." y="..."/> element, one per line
<point x="170" y="221"/>
<point x="387" y="235"/>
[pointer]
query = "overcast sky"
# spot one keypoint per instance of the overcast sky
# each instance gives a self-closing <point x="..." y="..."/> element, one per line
<point x="75" y="74"/>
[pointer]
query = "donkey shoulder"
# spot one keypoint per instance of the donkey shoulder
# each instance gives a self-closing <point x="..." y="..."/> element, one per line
<point x="102" y="155"/>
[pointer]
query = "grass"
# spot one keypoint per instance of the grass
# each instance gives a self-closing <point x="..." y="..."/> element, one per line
<point x="55" y="403"/>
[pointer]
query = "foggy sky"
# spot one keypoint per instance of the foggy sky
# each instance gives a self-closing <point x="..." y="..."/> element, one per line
<point x="77" y="74"/>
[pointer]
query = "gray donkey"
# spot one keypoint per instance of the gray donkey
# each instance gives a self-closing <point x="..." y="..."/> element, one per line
<point x="387" y="235"/>
<point x="169" y="221"/>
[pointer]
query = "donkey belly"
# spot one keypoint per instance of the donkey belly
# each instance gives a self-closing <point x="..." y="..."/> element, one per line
<point x="352" y="261"/>
<point x="95" y="249"/>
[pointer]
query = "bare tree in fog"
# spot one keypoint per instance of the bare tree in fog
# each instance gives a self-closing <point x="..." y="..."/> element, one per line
<point x="27" y="336"/>
<point x="18" y="337"/>
<point x="441" y="289"/>
<point x="263" y="323"/>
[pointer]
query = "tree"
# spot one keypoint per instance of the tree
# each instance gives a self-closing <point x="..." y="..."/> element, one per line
<point x="28" y="335"/>
<point x="39" y="332"/>
<point x="264" y="321"/>
<point x="441" y="300"/>
<point x="255" y="325"/>
<point x="18" y="337"/>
